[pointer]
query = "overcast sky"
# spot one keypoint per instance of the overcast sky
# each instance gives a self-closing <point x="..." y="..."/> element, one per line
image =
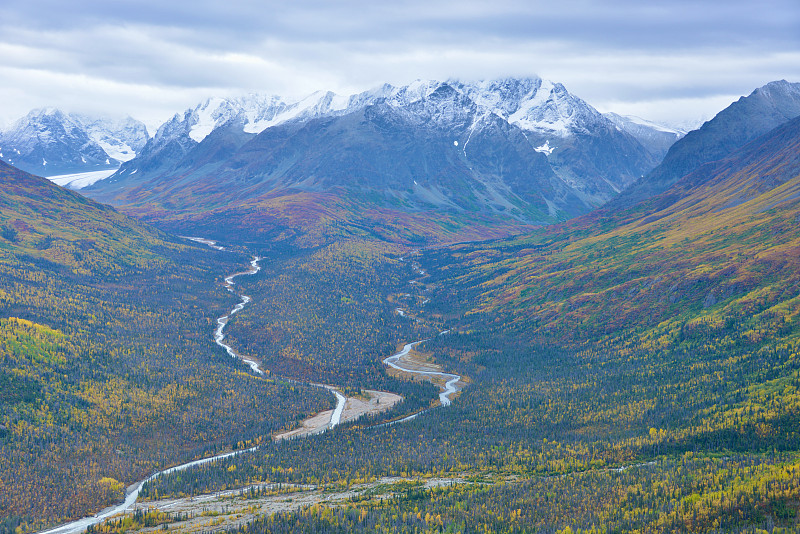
<point x="671" y="61"/>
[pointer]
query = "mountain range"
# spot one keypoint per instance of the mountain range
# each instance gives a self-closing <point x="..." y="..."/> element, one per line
<point x="521" y="150"/>
<point x="423" y="160"/>
<point x="49" y="142"/>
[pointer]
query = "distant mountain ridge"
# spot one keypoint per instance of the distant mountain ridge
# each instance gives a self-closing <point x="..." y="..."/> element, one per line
<point x="657" y="138"/>
<point x="49" y="142"/>
<point x="531" y="103"/>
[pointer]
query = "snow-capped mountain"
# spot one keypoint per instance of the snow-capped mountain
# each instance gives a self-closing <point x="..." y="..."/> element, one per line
<point x="657" y="138"/>
<point x="49" y="142"/>
<point x="585" y="149"/>
<point x="535" y="105"/>
<point x="121" y="138"/>
<point x="258" y="112"/>
<point x="520" y="149"/>
<point x="532" y="104"/>
<point x="250" y="114"/>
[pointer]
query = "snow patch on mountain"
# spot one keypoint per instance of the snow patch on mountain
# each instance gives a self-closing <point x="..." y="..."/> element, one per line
<point x="121" y="139"/>
<point x="317" y="104"/>
<point x="654" y="136"/>
<point x="545" y="148"/>
<point x="119" y="151"/>
<point x="81" y="179"/>
<point x="533" y="104"/>
<point x="208" y="116"/>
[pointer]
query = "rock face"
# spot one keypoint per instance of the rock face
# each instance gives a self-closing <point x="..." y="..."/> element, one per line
<point x="520" y="148"/>
<point x="743" y="121"/>
<point x="49" y="142"/>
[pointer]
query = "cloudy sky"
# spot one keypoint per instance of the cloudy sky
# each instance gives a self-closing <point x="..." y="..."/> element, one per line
<point x="673" y="61"/>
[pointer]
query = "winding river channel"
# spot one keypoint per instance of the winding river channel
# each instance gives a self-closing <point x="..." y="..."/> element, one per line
<point x="132" y="493"/>
<point x="219" y="334"/>
<point x="449" y="387"/>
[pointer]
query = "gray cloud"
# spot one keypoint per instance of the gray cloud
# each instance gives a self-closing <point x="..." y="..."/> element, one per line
<point x="153" y="58"/>
<point x="621" y="22"/>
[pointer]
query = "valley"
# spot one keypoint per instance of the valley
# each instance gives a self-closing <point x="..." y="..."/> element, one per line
<point x="384" y="331"/>
<point x="83" y="414"/>
<point x="346" y="410"/>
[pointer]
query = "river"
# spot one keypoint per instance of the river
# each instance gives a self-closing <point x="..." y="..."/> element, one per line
<point x="452" y="379"/>
<point x="132" y="493"/>
<point x="219" y="333"/>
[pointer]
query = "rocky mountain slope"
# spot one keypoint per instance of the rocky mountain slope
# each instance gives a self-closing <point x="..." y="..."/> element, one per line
<point x="720" y="235"/>
<point x="746" y="119"/>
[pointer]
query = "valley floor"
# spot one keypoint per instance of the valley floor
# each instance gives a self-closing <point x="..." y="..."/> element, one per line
<point x="233" y="508"/>
<point x="371" y="403"/>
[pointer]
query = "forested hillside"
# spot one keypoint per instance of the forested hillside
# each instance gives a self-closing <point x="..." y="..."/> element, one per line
<point x="108" y="369"/>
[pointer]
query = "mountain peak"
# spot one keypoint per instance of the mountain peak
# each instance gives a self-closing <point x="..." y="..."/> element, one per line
<point x="656" y="137"/>
<point x="48" y="142"/>
<point x="746" y="119"/>
<point x="779" y="85"/>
